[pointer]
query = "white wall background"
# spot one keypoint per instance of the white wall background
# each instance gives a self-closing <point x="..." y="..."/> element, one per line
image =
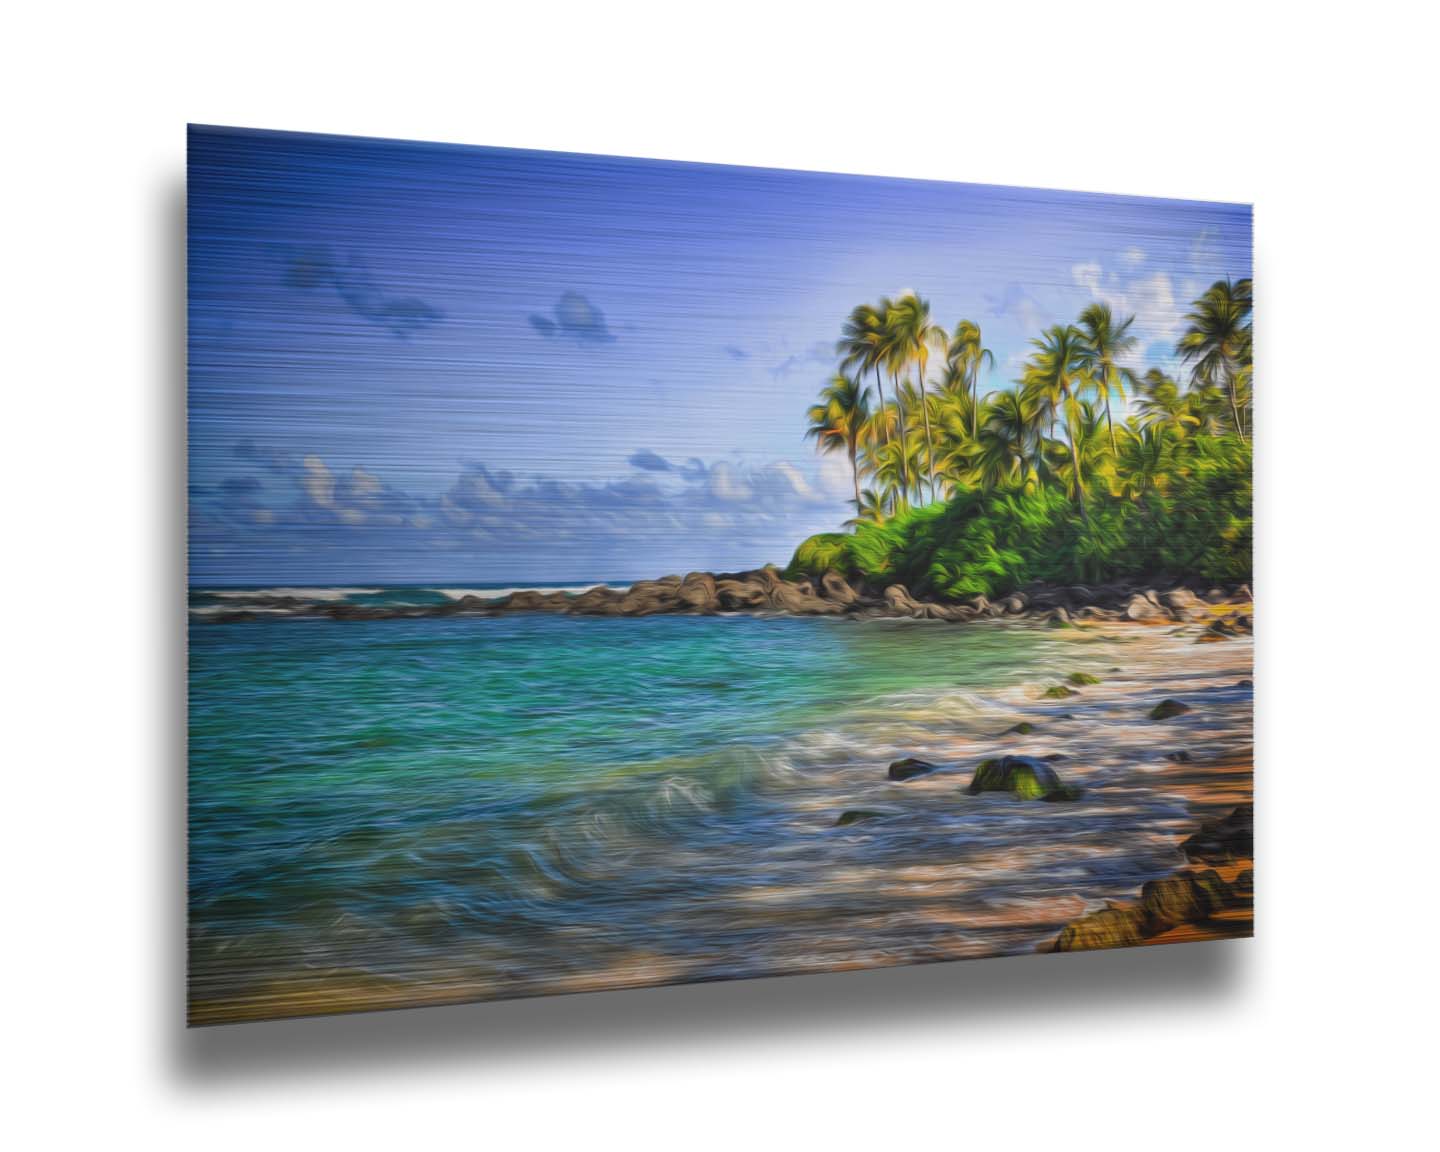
<point x="1320" y="1030"/>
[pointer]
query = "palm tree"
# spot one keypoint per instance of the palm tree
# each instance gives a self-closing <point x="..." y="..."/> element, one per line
<point x="1056" y="372"/>
<point x="909" y="400"/>
<point x="871" y="510"/>
<point x="840" y="421"/>
<point x="912" y="335"/>
<point x="968" y="353"/>
<point x="862" y="344"/>
<point x="1010" y="419"/>
<point x="1163" y="405"/>
<point x="1218" y="340"/>
<point x="1106" y="339"/>
<point x="1145" y="458"/>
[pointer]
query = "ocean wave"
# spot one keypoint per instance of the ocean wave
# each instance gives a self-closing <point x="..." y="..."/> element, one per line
<point x="500" y="593"/>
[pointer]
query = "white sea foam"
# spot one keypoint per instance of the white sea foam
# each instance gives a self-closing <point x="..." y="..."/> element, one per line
<point x="327" y="594"/>
<point x="499" y="593"/>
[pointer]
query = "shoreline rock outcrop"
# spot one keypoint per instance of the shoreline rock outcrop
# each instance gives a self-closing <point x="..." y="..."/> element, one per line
<point x="1196" y="902"/>
<point x="766" y="591"/>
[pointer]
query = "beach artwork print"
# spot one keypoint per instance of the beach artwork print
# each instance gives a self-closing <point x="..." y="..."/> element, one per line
<point x="609" y="572"/>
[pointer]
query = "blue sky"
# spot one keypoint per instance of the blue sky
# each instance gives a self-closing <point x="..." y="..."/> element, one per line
<point x="416" y="362"/>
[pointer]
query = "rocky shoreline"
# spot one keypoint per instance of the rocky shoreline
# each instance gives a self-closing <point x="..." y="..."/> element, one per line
<point x="1212" y="898"/>
<point x="766" y="591"/>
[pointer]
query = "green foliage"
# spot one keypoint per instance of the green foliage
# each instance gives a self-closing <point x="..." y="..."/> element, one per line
<point x="989" y="543"/>
<point x="1038" y="482"/>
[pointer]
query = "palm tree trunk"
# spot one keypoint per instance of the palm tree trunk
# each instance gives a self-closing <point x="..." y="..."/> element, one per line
<point x="884" y="424"/>
<point x="1109" y="424"/>
<point x="855" y="476"/>
<point x="975" y="399"/>
<point x="1075" y="463"/>
<point x="904" y="456"/>
<point x="929" y="447"/>
<point x="1234" y="404"/>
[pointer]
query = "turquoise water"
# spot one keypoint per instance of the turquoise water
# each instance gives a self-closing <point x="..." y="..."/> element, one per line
<point x="496" y="806"/>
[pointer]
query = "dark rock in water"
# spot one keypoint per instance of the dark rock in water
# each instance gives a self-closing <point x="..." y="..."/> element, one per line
<point x="1058" y="692"/>
<point x="1024" y="728"/>
<point x="1082" y="678"/>
<point x="1022" y="776"/>
<point x="909" y="768"/>
<point x="1054" y="756"/>
<point x="856" y="815"/>
<point x="1059" y="618"/>
<point x="1222" y="841"/>
<point x="1111" y="928"/>
<point x="1245" y="684"/>
<point x="1167" y="709"/>
<point x="1181" y="757"/>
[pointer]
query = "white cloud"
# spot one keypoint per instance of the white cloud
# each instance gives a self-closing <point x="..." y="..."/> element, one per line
<point x="1150" y="299"/>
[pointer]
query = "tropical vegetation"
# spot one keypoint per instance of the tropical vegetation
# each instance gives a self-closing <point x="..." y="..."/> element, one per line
<point x="959" y="494"/>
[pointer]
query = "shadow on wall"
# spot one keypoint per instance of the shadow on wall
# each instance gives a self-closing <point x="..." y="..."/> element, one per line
<point x="1098" y="987"/>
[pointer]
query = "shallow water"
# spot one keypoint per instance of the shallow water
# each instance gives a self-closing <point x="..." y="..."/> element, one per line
<point x="402" y="811"/>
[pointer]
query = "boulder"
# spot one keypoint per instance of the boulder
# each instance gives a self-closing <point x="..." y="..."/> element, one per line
<point x="1185" y="898"/>
<point x="1180" y="757"/>
<point x="899" y="601"/>
<point x="1024" y="728"/>
<point x="1015" y="603"/>
<point x="835" y="587"/>
<point x="1184" y="604"/>
<point x="798" y="600"/>
<point x="1139" y="608"/>
<point x="1250" y="684"/>
<point x="1023" y="776"/>
<point x="909" y="768"/>
<point x="697" y="592"/>
<point x="1059" y="618"/>
<point x="1222" y="841"/>
<point x="1057" y="692"/>
<point x="740" y="594"/>
<point x="1082" y="678"/>
<point x="647" y="597"/>
<point x="1110" y="928"/>
<point x="1167" y="709"/>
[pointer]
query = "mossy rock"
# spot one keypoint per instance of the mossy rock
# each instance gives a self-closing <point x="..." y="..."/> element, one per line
<point x="1183" y="899"/>
<point x="1024" y="777"/>
<point x="1167" y="709"/>
<point x="909" y="768"/>
<point x="856" y="815"/>
<point x="1111" y="928"/>
<point x="1057" y="692"/>
<point x="1024" y="728"/>
<point x="1082" y="678"/>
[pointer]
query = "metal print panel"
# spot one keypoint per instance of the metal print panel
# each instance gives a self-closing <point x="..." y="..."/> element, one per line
<point x="608" y="573"/>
